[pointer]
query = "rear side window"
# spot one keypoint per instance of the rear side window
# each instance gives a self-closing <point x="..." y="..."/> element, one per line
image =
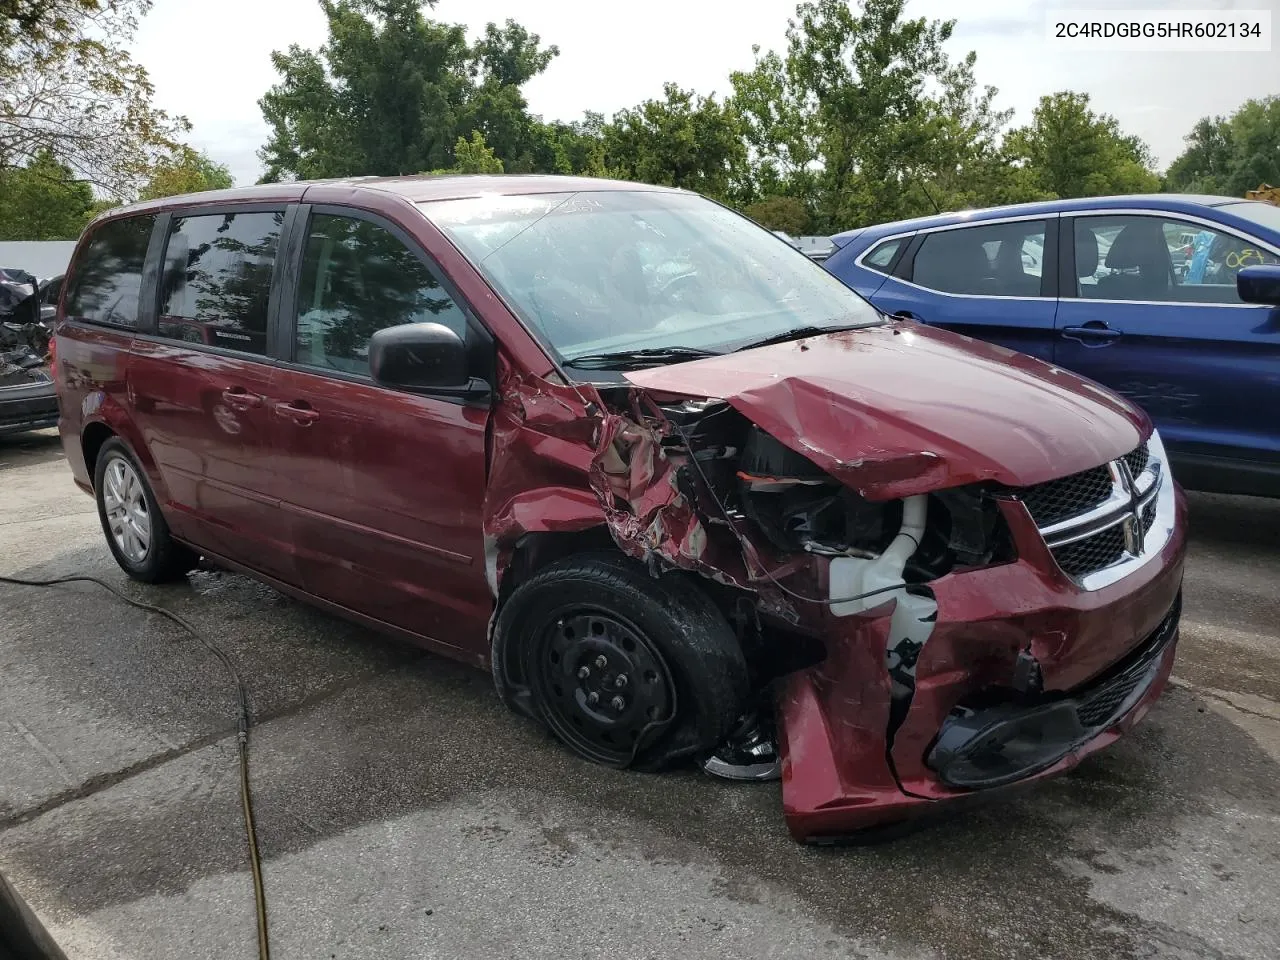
<point x="1147" y="258"/>
<point x="882" y="256"/>
<point x="996" y="260"/>
<point x="106" y="282"/>
<point x="216" y="285"/>
<point x="358" y="278"/>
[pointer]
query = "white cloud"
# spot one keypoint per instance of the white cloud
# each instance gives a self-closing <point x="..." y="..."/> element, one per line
<point x="211" y="61"/>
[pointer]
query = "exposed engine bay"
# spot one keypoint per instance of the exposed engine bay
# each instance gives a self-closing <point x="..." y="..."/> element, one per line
<point x="875" y="584"/>
<point x="783" y="507"/>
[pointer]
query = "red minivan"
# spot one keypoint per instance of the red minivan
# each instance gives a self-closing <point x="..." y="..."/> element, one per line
<point x="685" y="494"/>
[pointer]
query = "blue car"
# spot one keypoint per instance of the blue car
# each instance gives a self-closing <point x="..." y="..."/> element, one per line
<point x="1139" y="293"/>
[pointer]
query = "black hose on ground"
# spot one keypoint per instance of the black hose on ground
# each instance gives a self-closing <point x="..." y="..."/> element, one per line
<point x="242" y="731"/>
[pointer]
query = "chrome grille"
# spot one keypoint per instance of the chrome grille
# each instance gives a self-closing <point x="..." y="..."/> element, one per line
<point x="1098" y="519"/>
<point x="1137" y="460"/>
<point x="1057" y="500"/>
<point x="1092" y="553"/>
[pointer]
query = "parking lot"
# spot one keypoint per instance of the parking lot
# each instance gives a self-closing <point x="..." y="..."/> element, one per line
<point x="404" y="813"/>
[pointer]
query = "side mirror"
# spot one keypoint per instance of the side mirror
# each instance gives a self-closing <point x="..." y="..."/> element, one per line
<point x="425" y="357"/>
<point x="1259" y="284"/>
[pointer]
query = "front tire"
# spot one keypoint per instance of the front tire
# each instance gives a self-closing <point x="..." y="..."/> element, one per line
<point x="135" y="529"/>
<point x="625" y="669"/>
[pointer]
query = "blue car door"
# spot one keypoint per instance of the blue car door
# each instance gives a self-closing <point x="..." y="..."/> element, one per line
<point x="1176" y="340"/>
<point x="995" y="280"/>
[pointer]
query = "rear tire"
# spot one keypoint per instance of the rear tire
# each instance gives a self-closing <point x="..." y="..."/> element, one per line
<point x="135" y="529"/>
<point x="625" y="669"/>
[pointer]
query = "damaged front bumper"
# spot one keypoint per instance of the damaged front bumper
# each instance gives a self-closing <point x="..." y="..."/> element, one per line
<point x="1102" y="658"/>
<point x="893" y="599"/>
<point x="984" y="746"/>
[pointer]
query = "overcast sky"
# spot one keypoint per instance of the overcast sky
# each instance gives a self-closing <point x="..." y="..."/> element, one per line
<point x="213" y="66"/>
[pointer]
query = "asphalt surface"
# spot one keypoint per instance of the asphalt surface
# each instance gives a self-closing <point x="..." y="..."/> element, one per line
<point x="404" y="813"/>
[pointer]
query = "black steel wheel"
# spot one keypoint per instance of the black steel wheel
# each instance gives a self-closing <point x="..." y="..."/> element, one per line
<point x="607" y="686"/>
<point x="624" y="668"/>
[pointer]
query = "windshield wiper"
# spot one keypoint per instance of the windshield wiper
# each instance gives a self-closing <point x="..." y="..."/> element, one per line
<point x="637" y="359"/>
<point x="795" y="333"/>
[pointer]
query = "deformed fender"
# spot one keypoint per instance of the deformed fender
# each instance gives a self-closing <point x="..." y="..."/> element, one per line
<point x="560" y="460"/>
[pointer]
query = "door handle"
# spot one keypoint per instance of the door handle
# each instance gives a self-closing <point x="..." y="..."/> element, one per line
<point x="238" y="398"/>
<point x="1094" y="330"/>
<point x="299" y="411"/>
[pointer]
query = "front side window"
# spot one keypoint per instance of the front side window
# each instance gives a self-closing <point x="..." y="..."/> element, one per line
<point x="880" y="257"/>
<point x="1134" y="257"/>
<point x="609" y="271"/>
<point x="106" y="283"/>
<point x="991" y="260"/>
<point x="358" y="278"/>
<point x="216" y="286"/>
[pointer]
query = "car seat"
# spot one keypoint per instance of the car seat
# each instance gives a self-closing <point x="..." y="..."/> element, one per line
<point x="1139" y="247"/>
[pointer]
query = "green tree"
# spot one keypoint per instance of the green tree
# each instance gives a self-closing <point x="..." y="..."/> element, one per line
<point x="185" y="171"/>
<point x="392" y="91"/>
<point x="43" y="201"/>
<point x="1206" y="163"/>
<point x="68" y="86"/>
<point x="504" y="60"/>
<point x="780" y="213"/>
<point x="1071" y="151"/>
<point x="1229" y="155"/>
<point x="682" y="140"/>
<point x="571" y="148"/>
<point x="473" y="156"/>
<point x="865" y="117"/>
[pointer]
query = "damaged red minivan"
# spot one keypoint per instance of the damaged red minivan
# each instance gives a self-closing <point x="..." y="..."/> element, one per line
<point x="684" y="493"/>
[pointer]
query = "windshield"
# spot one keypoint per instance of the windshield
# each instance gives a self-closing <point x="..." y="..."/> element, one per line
<point x="1260" y="213"/>
<point x="612" y="271"/>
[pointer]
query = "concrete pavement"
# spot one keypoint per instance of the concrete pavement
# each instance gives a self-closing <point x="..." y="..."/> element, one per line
<point x="404" y="813"/>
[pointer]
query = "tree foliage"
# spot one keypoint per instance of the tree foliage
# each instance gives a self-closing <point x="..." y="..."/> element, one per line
<point x="862" y="116"/>
<point x="1230" y="155"/>
<point x="787" y="214"/>
<point x="69" y="87"/>
<point x="1070" y="151"/>
<point x="865" y="116"/>
<point x="682" y="140"/>
<point x="473" y="156"/>
<point x="392" y="91"/>
<point x="43" y="201"/>
<point x="185" y="171"/>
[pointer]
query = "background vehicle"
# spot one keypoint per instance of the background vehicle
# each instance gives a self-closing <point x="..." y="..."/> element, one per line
<point x="1116" y="303"/>
<point x="28" y="400"/>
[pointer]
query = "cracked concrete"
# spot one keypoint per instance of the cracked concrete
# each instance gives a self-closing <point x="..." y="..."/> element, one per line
<point x="403" y="812"/>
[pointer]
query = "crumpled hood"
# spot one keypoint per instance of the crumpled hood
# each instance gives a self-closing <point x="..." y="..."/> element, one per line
<point x="902" y="409"/>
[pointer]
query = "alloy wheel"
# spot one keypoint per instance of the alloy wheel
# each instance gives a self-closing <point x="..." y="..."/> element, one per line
<point x="125" y="502"/>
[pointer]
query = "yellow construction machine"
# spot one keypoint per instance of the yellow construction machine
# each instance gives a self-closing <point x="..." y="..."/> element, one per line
<point x="1265" y="192"/>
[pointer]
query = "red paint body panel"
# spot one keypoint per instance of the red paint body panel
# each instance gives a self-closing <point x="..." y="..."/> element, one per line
<point x="205" y="419"/>
<point x="818" y="805"/>
<point x="90" y="373"/>
<point x="834" y="745"/>
<point x="382" y="495"/>
<point x="904" y="408"/>
<point x="403" y="511"/>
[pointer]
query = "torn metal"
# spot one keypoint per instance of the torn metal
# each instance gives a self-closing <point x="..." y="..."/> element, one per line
<point x="887" y="582"/>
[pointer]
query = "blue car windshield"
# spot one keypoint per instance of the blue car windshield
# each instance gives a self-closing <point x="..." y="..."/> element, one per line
<point x="608" y="271"/>
<point x="1263" y="214"/>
